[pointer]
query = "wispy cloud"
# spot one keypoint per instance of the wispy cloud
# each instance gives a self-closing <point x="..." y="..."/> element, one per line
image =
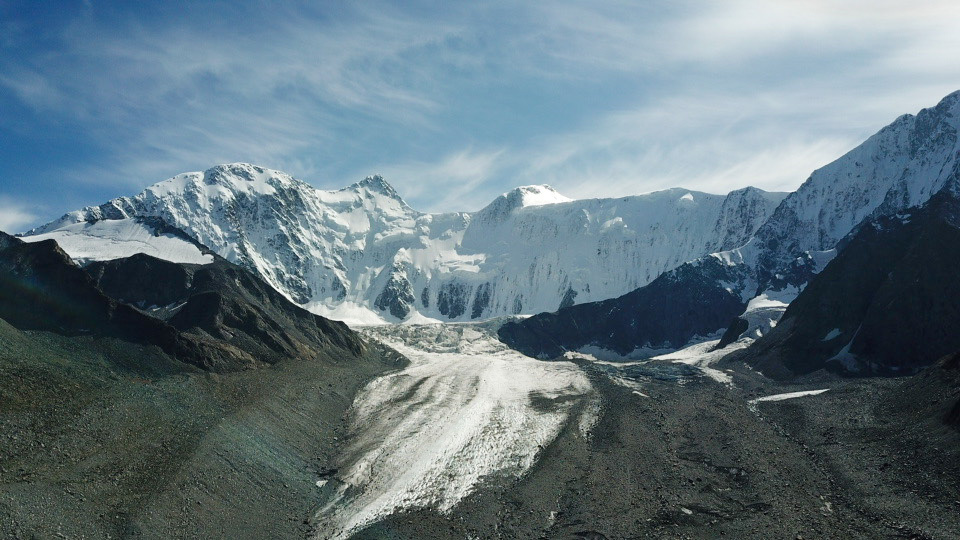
<point x="459" y="102"/>
<point x="461" y="181"/>
<point x="15" y="215"/>
<point x="172" y="93"/>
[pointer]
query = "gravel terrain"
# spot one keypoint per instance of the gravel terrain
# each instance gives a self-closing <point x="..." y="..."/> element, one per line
<point x="104" y="439"/>
<point x="699" y="460"/>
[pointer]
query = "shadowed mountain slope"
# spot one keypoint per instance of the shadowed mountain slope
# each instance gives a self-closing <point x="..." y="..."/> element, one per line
<point x="889" y="303"/>
<point x="114" y="423"/>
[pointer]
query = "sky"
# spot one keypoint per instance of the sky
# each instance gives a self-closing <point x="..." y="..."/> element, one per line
<point x="454" y="102"/>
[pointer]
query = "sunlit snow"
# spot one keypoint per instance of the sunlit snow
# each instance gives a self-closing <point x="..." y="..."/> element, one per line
<point x="112" y="239"/>
<point x="789" y="395"/>
<point x="467" y="407"/>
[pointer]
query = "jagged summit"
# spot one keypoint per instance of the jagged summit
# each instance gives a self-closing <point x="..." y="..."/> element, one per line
<point x="519" y="197"/>
<point x="376" y="184"/>
<point x="535" y="195"/>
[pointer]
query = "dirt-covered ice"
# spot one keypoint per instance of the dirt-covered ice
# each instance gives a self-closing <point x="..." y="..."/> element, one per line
<point x="466" y="407"/>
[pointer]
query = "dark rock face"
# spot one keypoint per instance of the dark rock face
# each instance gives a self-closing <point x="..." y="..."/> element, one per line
<point x="425" y="298"/>
<point x="452" y="299"/>
<point x="239" y="311"/>
<point x="480" y="301"/>
<point x="396" y="297"/>
<point x="143" y="281"/>
<point x="7" y="241"/>
<point x="889" y="303"/>
<point x="568" y="298"/>
<point x="733" y="332"/>
<point x="668" y="312"/>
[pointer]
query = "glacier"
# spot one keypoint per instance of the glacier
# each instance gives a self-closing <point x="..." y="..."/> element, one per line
<point x="115" y="239"/>
<point x="467" y="408"/>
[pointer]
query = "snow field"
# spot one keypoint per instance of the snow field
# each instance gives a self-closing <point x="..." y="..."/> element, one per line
<point x="113" y="239"/>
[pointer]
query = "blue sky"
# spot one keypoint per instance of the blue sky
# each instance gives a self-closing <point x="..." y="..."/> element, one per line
<point x="454" y="102"/>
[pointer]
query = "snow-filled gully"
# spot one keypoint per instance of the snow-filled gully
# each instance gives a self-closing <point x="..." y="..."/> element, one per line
<point x="465" y="408"/>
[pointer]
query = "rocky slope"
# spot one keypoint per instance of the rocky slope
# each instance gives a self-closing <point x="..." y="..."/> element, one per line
<point x="361" y="254"/>
<point x="115" y="423"/>
<point x="219" y="317"/>
<point x="225" y="303"/>
<point x="900" y="167"/>
<point x="889" y="303"/>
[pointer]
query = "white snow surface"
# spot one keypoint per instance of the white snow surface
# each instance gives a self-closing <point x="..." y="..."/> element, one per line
<point x="702" y="355"/>
<point x="898" y="168"/>
<point x="789" y="395"/>
<point x="362" y="255"/>
<point x="425" y="436"/>
<point x="114" y="239"/>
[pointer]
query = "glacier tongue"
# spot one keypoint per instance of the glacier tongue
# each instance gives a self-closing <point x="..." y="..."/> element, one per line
<point x="362" y="255"/>
<point x="466" y="408"/>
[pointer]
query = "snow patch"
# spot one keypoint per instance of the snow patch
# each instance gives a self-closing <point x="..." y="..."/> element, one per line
<point x="117" y="238"/>
<point x="702" y="355"/>
<point x="789" y="395"/>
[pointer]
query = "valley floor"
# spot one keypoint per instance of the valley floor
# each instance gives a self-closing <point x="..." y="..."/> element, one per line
<point x="470" y="440"/>
<point x="676" y="454"/>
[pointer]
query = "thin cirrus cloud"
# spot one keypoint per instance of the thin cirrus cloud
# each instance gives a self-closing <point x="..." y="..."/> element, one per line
<point x="455" y="104"/>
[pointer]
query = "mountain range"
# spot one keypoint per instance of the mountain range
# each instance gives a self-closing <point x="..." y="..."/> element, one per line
<point x="362" y="255"/>
<point x="899" y="168"/>
<point x="170" y="365"/>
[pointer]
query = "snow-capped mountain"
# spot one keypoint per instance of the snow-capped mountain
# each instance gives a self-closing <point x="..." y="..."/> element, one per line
<point x="898" y="168"/>
<point x="889" y="303"/>
<point x="362" y="254"/>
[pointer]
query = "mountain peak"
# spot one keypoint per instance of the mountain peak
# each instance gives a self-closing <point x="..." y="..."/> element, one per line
<point x="376" y="184"/>
<point x="534" y="195"/>
<point x="520" y="197"/>
<point x="249" y="176"/>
